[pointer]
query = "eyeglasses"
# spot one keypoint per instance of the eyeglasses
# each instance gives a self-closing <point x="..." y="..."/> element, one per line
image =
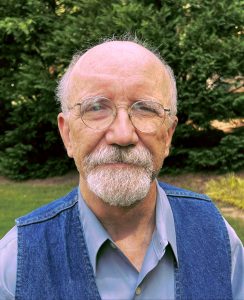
<point x="98" y="113"/>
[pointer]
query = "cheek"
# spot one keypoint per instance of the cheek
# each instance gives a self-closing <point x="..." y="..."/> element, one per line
<point x="78" y="149"/>
<point x="158" y="148"/>
<point x="160" y="153"/>
<point x="84" y="141"/>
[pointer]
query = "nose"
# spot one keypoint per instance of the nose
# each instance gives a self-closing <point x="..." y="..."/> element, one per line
<point x="122" y="132"/>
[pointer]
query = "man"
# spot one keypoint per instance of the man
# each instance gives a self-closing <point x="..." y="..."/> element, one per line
<point x="121" y="234"/>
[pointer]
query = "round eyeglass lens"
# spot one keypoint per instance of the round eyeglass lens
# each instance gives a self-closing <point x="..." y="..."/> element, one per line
<point x="147" y="116"/>
<point x="97" y="113"/>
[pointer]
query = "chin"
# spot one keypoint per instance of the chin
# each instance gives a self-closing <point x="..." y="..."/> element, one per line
<point x="121" y="187"/>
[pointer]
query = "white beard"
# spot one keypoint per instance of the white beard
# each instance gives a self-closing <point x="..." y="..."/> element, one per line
<point x="121" y="186"/>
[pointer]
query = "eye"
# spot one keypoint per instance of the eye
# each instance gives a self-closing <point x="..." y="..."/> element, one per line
<point x="93" y="107"/>
<point x="147" y="108"/>
<point x="96" y="108"/>
<point x="95" y="104"/>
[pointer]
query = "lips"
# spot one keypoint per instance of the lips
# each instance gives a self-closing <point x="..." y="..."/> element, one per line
<point x="117" y="165"/>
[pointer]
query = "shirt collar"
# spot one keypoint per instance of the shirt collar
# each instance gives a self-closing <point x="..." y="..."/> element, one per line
<point x="165" y="228"/>
<point x="95" y="233"/>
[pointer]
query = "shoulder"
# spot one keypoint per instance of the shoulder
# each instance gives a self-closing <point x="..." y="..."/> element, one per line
<point x="9" y="238"/>
<point x="191" y="208"/>
<point x="173" y="191"/>
<point x="8" y="264"/>
<point x="236" y="244"/>
<point x="50" y="210"/>
<point x="237" y="263"/>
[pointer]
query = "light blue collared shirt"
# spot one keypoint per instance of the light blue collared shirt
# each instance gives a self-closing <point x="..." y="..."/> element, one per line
<point x="115" y="276"/>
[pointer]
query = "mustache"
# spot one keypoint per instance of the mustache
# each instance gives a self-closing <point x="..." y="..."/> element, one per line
<point x="137" y="156"/>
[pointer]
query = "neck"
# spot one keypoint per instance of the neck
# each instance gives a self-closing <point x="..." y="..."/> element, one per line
<point x="131" y="228"/>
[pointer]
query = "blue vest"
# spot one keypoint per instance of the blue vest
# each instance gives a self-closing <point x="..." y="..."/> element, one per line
<point x="53" y="260"/>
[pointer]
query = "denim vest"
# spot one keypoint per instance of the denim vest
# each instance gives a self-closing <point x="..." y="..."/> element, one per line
<point x="53" y="261"/>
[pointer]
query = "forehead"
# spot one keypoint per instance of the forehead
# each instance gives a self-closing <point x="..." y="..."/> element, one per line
<point x="113" y="55"/>
<point x="120" y="66"/>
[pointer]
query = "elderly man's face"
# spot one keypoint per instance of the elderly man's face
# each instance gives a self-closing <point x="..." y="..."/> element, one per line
<point x="118" y="163"/>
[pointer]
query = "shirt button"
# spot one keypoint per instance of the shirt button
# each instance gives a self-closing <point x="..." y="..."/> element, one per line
<point x="138" y="290"/>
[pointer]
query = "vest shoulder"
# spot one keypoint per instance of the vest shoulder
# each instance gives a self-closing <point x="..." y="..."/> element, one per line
<point x="49" y="210"/>
<point x="174" y="191"/>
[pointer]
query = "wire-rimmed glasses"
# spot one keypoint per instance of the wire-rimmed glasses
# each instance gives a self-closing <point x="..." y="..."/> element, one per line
<point x="98" y="113"/>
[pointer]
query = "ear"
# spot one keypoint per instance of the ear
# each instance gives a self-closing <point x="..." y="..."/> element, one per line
<point x="64" y="129"/>
<point x="170" y="133"/>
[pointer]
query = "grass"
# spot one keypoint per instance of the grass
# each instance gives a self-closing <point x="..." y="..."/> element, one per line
<point x="19" y="198"/>
<point x="229" y="189"/>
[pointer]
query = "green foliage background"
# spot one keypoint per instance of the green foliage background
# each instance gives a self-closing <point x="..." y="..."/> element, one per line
<point x="200" y="39"/>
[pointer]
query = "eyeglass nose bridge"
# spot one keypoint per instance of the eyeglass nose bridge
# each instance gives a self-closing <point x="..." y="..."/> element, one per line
<point x="125" y="107"/>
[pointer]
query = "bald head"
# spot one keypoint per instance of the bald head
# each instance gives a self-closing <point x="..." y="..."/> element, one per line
<point x="117" y="54"/>
<point x="111" y="58"/>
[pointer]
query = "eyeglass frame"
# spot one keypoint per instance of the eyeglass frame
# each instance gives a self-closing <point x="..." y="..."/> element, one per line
<point x="115" y="111"/>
